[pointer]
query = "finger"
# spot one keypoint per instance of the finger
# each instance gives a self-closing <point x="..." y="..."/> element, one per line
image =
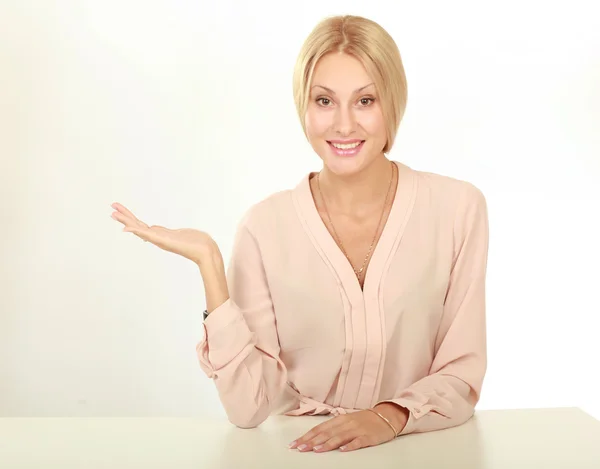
<point x="327" y="435"/>
<point x="117" y="206"/>
<point x="159" y="228"/>
<point x="135" y="231"/>
<point x="146" y="235"/>
<point x="307" y="443"/>
<point x="337" y="440"/>
<point x="120" y="208"/>
<point x="329" y="424"/>
<point x="155" y="234"/>
<point x="356" y="443"/>
<point x="318" y="439"/>
<point x="126" y="220"/>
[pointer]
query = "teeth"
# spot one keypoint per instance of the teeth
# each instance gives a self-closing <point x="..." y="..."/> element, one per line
<point x="346" y="146"/>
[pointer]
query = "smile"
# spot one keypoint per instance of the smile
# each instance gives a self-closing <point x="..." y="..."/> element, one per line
<point x="346" y="149"/>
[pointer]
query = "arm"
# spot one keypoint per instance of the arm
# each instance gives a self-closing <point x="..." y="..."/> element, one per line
<point x="212" y="270"/>
<point x="448" y="395"/>
<point x="240" y="348"/>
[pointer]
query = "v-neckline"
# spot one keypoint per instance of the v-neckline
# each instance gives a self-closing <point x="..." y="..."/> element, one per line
<point x="331" y="251"/>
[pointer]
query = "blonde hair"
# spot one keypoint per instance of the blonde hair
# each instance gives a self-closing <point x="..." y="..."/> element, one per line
<point x="366" y="41"/>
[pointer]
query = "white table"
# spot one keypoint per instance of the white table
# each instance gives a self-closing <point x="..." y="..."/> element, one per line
<point x="562" y="438"/>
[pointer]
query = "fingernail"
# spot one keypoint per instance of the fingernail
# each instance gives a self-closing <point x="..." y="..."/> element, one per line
<point x="292" y="444"/>
<point x="343" y="448"/>
<point x="317" y="448"/>
<point x="301" y="447"/>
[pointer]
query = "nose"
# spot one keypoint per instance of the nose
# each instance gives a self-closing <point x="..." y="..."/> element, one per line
<point x="345" y="121"/>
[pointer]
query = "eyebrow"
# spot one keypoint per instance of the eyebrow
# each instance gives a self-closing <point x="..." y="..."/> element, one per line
<point x="333" y="92"/>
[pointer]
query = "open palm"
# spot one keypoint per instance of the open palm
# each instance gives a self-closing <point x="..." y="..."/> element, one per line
<point x="189" y="243"/>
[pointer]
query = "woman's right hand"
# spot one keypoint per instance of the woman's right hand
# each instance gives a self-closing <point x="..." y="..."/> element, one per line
<point x="192" y="244"/>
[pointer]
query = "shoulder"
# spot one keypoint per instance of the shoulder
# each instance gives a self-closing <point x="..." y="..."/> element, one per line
<point x="449" y="193"/>
<point x="260" y="216"/>
<point x="447" y="185"/>
<point x="459" y="205"/>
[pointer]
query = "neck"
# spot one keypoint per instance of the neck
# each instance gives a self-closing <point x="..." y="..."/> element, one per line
<point x="357" y="194"/>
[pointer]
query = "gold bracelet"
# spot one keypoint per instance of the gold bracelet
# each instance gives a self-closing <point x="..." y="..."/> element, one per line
<point x="386" y="421"/>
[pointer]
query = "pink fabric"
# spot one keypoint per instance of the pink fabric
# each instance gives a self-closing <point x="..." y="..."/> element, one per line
<point x="299" y="336"/>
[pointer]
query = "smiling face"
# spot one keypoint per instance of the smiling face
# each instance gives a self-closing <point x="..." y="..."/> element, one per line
<point x="344" y="121"/>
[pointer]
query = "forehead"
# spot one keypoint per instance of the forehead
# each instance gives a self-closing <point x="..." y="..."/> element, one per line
<point x="340" y="72"/>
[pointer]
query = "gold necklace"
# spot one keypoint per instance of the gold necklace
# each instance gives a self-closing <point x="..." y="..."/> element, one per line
<point x="339" y="241"/>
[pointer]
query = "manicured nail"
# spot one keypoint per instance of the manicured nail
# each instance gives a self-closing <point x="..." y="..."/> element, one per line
<point x="317" y="448"/>
<point x="292" y="444"/>
<point x="301" y="447"/>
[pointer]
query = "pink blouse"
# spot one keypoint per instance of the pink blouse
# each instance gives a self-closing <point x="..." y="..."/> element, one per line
<point x="299" y="336"/>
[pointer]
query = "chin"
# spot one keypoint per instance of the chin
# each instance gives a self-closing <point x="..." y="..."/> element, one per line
<point x="345" y="165"/>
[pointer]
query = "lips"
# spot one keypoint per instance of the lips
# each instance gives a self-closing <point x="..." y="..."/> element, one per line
<point x="346" y="151"/>
<point x="347" y="142"/>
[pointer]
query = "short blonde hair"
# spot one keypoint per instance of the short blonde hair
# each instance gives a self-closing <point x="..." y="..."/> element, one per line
<point x="368" y="42"/>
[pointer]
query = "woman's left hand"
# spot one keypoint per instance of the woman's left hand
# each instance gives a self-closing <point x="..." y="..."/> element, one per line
<point x="350" y="432"/>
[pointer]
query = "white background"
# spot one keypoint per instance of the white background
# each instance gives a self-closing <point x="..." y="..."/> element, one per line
<point x="183" y="112"/>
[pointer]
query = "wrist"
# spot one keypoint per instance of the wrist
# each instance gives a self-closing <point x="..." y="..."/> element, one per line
<point x="212" y="271"/>
<point x="209" y="257"/>
<point x="396" y="414"/>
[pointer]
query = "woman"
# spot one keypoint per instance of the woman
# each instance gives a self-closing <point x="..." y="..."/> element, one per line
<point x="359" y="293"/>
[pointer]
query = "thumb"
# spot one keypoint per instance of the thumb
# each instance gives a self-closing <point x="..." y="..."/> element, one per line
<point x="136" y="232"/>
